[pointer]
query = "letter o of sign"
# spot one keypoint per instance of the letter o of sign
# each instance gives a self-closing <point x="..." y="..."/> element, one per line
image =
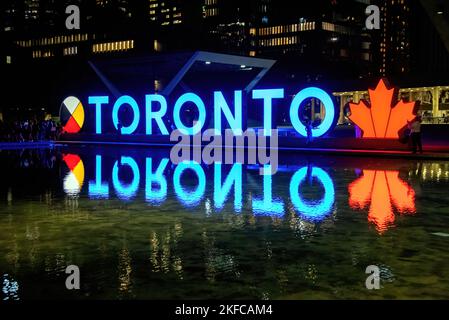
<point x="329" y="108"/>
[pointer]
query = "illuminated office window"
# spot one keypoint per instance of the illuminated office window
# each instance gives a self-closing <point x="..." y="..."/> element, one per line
<point x="157" y="85"/>
<point x="157" y="46"/>
<point x="70" y="51"/>
<point x="113" y="46"/>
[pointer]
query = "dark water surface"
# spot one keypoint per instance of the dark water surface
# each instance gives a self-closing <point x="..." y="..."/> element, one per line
<point x="140" y="227"/>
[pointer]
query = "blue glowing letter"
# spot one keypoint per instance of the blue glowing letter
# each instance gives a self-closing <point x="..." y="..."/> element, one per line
<point x="313" y="210"/>
<point x="221" y="192"/>
<point x="268" y="95"/>
<point x="126" y="191"/>
<point x="193" y="98"/>
<point x="98" y="189"/>
<point x="151" y="195"/>
<point x="220" y="104"/>
<point x="156" y="115"/>
<point x="329" y="108"/>
<point x="98" y="101"/>
<point x="267" y="205"/>
<point x="133" y="104"/>
<point x="186" y="197"/>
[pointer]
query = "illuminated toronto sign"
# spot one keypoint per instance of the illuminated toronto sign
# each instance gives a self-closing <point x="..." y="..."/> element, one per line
<point x="154" y="112"/>
<point x="382" y="117"/>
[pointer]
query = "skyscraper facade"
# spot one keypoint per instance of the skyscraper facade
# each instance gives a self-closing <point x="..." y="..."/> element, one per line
<point x="410" y="45"/>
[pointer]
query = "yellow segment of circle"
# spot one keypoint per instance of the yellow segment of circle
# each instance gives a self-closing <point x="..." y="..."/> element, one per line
<point x="78" y="115"/>
<point x="78" y="171"/>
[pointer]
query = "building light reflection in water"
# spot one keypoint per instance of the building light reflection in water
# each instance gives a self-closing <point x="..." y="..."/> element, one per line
<point x="438" y="172"/>
<point x="124" y="271"/>
<point x="163" y="251"/>
<point x="10" y="288"/>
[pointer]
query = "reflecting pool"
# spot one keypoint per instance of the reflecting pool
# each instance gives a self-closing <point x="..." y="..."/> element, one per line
<point x="140" y="227"/>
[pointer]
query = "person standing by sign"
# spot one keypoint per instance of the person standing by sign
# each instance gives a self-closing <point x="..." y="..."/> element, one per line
<point x="309" y="131"/>
<point x="415" y="133"/>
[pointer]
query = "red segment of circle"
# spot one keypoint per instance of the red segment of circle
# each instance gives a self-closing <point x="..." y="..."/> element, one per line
<point x="72" y="126"/>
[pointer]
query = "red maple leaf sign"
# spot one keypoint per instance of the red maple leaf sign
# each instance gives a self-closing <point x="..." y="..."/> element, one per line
<point x="382" y="118"/>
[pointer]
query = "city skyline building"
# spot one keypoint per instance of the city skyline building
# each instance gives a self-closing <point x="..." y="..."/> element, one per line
<point x="321" y="42"/>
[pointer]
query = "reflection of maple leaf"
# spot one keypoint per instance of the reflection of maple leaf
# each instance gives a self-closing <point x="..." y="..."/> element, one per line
<point x="382" y="191"/>
<point x="381" y="118"/>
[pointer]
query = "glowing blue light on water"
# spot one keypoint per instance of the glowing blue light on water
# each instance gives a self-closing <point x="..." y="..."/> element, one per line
<point x="98" y="189"/>
<point x="151" y="194"/>
<point x="189" y="198"/>
<point x="313" y="210"/>
<point x="221" y="192"/>
<point x="125" y="191"/>
<point x="267" y="205"/>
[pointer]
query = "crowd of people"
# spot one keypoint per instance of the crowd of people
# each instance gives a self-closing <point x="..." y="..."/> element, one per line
<point x="29" y="130"/>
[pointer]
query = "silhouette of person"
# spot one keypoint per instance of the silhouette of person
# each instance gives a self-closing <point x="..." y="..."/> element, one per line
<point x="309" y="131"/>
<point x="415" y="134"/>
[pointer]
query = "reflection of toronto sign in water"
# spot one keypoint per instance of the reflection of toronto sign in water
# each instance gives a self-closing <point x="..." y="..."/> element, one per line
<point x="382" y="191"/>
<point x="127" y="175"/>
